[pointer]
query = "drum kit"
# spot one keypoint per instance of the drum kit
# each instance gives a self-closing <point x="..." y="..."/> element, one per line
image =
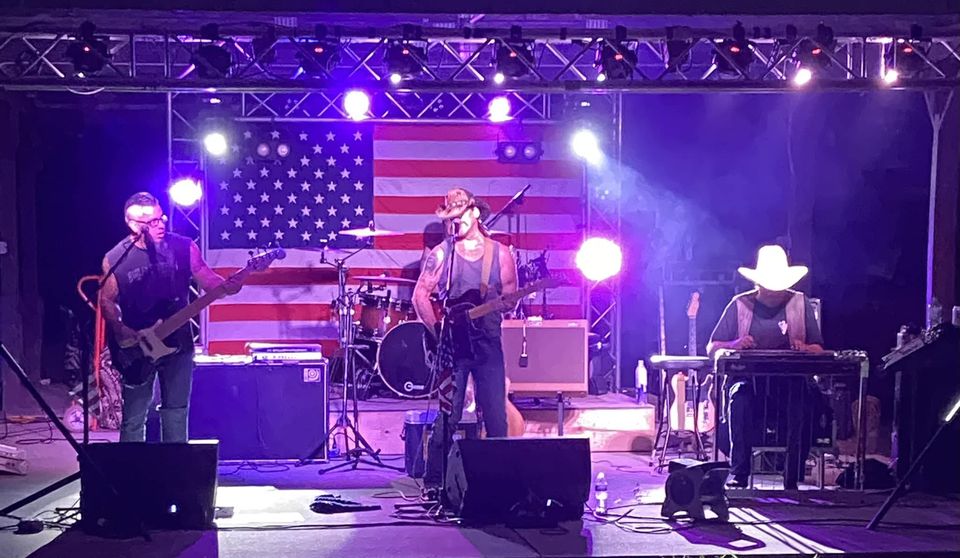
<point x="386" y="341"/>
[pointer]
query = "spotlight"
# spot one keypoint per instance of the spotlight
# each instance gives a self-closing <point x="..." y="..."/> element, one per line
<point x="585" y="145"/>
<point x="404" y="59"/>
<point x="601" y="77"/>
<point x="87" y="53"/>
<point x="396" y="79"/>
<point x="318" y="57"/>
<point x="186" y="192"/>
<point x="211" y="60"/>
<point x="499" y="78"/>
<point x="514" y="57"/>
<point x="616" y="59"/>
<point x="599" y="259"/>
<point x="356" y="103"/>
<point x="215" y="143"/>
<point x="891" y="76"/>
<point x="907" y="56"/>
<point x="679" y="43"/>
<point x="519" y="152"/>
<point x="498" y="110"/>
<point x="803" y="76"/>
<point x="738" y="49"/>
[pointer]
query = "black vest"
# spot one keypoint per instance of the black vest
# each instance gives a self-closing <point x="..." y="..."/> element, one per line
<point x="154" y="283"/>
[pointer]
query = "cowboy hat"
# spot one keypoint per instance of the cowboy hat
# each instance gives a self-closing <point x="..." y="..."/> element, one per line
<point x="458" y="201"/>
<point x="772" y="271"/>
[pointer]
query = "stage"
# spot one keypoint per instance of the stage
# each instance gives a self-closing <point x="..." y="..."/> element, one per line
<point x="271" y="517"/>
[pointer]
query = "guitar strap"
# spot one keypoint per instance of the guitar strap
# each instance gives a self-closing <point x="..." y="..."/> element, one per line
<point x="488" y="247"/>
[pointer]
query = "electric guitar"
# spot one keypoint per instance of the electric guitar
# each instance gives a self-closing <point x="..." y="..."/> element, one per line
<point x="464" y="310"/>
<point x="137" y="358"/>
<point x="678" y="414"/>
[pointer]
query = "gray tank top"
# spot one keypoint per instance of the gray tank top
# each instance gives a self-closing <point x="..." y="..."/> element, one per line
<point x="466" y="277"/>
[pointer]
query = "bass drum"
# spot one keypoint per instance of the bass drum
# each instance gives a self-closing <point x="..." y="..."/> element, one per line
<point x="404" y="360"/>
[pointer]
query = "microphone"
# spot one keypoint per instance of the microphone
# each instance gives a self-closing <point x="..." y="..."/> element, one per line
<point x="516" y="198"/>
<point x="523" y="353"/>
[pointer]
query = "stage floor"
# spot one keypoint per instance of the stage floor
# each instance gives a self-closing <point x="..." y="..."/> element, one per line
<point x="272" y="518"/>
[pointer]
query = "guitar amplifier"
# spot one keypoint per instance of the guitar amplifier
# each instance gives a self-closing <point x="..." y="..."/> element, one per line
<point x="556" y="356"/>
<point x="260" y="411"/>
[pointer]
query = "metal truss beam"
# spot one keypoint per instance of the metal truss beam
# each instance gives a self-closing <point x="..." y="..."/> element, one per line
<point x="168" y="61"/>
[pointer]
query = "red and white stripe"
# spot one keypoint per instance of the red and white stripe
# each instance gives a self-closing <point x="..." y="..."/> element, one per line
<point x="414" y="166"/>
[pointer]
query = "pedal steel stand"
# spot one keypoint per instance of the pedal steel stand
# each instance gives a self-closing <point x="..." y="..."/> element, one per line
<point x="353" y="457"/>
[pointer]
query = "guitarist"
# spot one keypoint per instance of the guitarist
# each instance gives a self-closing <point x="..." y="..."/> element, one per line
<point x="151" y="282"/>
<point x="479" y="263"/>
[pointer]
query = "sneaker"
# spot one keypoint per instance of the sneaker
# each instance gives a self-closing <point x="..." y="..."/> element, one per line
<point x="739" y="481"/>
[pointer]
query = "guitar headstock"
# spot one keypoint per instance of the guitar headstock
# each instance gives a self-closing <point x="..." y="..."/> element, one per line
<point x="693" y="307"/>
<point x="264" y="257"/>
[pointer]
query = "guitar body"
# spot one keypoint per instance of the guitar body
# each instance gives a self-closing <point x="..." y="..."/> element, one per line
<point x="707" y="413"/>
<point x="678" y="415"/>
<point x="136" y="362"/>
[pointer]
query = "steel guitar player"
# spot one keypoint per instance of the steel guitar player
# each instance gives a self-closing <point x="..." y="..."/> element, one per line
<point x="771" y="316"/>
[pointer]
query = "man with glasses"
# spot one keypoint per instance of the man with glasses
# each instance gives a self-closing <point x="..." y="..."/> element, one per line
<point x="152" y="270"/>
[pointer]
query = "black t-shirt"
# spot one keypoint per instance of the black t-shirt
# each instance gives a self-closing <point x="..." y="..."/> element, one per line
<point x="154" y="283"/>
<point x="769" y="325"/>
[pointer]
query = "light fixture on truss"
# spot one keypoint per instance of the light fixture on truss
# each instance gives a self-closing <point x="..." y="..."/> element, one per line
<point x="514" y="56"/>
<point x="615" y="57"/>
<point x="211" y="60"/>
<point x="88" y="53"/>
<point x="734" y="55"/>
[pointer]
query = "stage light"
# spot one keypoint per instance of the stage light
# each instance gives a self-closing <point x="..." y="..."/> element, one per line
<point x="396" y="79"/>
<point x="679" y="44"/>
<point x="601" y="77"/>
<point x="215" y="143"/>
<point x="211" y="60"/>
<point x="585" y="145"/>
<point x="802" y="77"/>
<point x="908" y="56"/>
<point x="519" y="151"/>
<point x="87" y="53"/>
<point x="498" y="110"/>
<point x="318" y="57"/>
<point x="404" y="59"/>
<point x="615" y="59"/>
<point x="514" y="56"/>
<point x="599" y="259"/>
<point x="737" y="49"/>
<point x="357" y="104"/>
<point x="186" y="192"/>
<point x="499" y="78"/>
<point x="891" y="76"/>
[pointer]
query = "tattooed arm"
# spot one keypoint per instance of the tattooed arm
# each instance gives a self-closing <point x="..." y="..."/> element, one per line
<point x="426" y="284"/>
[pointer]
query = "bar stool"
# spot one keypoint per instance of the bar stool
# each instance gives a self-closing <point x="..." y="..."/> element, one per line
<point x="668" y="365"/>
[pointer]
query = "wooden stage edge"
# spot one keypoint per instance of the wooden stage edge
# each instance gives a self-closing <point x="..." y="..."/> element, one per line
<point x="613" y="422"/>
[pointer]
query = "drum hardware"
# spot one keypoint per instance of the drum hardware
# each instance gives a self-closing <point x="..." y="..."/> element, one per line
<point x="344" y="303"/>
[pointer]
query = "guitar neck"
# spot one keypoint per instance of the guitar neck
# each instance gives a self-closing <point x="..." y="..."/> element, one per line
<point x="185" y="314"/>
<point x="692" y="337"/>
<point x="510" y="299"/>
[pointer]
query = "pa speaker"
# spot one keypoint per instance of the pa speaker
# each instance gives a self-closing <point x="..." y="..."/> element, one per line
<point x="155" y="486"/>
<point x="694" y="485"/>
<point x="503" y="480"/>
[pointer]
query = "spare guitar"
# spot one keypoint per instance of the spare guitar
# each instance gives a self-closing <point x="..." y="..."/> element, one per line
<point x="678" y="408"/>
<point x="463" y="310"/>
<point x="135" y="360"/>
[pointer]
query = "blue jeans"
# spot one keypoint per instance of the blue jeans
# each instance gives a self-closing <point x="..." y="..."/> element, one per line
<point x="792" y="402"/>
<point x="176" y="380"/>
<point x="489" y="378"/>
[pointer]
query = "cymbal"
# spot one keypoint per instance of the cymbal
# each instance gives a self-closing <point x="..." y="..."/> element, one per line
<point x="384" y="279"/>
<point x="368" y="232"/>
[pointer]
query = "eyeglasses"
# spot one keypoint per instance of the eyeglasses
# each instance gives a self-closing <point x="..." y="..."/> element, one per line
<point x="152" y="222"/>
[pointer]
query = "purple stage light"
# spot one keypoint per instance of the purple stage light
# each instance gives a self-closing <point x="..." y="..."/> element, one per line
<point x="356" y="103"/>
<point x="499" y="109"/>
<point x="802" y="77"/>
<point x="215" y="143"/>
<point x="186" y="192"/>
<point x="599" y="259"/>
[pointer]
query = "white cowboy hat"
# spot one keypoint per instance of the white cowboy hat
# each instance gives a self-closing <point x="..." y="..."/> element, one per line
<point x="772" y="271"/>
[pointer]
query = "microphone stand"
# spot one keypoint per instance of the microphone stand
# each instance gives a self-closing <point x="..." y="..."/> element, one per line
<point x="444" y="337"/>
<point x="517" y="199"/>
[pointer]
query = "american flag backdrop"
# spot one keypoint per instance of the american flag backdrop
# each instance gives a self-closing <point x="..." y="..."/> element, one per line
<point x="300" y="183"/>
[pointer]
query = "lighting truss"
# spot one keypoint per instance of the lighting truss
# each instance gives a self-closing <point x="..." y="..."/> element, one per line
<point x="164" y="61"/>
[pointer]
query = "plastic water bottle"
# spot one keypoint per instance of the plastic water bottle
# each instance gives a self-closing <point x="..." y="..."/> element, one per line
<point x="600" y="493"/>
<point x="934" y="313"/>
<point x="641" y="381"/>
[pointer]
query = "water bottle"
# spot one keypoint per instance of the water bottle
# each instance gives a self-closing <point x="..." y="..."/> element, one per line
<point x="600" y="493"/>
<point x="641" y="382"/>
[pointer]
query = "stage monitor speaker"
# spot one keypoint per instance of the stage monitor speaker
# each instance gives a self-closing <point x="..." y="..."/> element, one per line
<point x="161" y="486"/>
<point x="556" y="356"/>
<point x="261" y="412"/>
<point x="501" y="480"/>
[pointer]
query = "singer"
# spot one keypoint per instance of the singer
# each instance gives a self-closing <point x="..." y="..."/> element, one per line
<point x="152" y="270"/>
<point x="482" y="264"/>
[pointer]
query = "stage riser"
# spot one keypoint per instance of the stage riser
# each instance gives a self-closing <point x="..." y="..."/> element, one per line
<point x="609" y="429"/>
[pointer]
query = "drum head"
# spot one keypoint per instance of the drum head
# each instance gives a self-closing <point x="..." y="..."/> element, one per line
<point x="402" y="361"/>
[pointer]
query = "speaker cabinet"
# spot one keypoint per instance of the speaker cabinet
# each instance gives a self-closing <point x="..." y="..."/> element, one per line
<point x="160" y="486"/>
<point x="261" y="412"/>
<point x="491" y="480"/>
<point x="556" y="356"/>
